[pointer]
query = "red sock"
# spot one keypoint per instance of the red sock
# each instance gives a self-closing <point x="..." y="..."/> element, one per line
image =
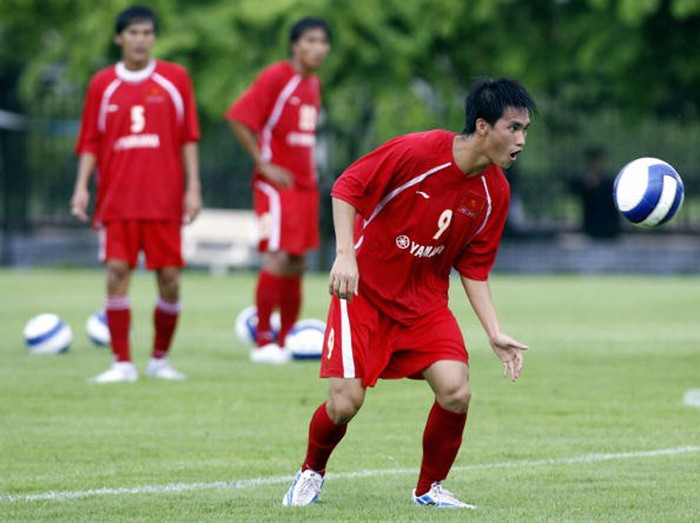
<point x="290" y="304"/>
<point x="266" y="299"/>
<point x="324" y="436"/>
<point x="441" y="441"/>
<point x="118" y="313"/>
<point x="165" y="317"/>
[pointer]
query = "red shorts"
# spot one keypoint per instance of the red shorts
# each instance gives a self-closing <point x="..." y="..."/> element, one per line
<point x="159" y="240"/>
<point x="287" y="218"/>
<point x="362" y="342"/>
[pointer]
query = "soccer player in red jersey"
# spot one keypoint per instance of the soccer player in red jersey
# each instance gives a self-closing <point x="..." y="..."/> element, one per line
<point x="405" y="216"/>
<point x="275" y="121"/>
<point x="139" y="133"/>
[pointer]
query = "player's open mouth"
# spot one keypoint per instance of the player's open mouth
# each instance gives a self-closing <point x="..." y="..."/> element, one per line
<point x="514" y="155"/>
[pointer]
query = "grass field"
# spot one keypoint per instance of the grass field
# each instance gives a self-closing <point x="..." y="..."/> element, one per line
<point x="595" y="430"/>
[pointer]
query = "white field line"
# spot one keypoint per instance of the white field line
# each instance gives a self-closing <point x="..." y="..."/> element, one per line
<point x="255" y="482"/>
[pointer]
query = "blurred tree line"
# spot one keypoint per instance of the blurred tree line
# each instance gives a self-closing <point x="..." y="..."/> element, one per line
<point x="596" y="68"/>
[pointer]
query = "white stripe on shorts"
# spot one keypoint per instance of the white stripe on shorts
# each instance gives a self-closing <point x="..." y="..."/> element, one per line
<point x="275" y="223"/>
<point x="346" y="341"/>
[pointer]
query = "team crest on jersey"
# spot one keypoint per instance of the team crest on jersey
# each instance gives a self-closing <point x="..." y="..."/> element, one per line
<point x="155" y="94"/>
<point x="403" y="242"/>
<point x="472" y="204"/>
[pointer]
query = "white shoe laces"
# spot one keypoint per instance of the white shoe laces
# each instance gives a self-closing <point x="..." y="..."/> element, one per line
<point x="308" y="486"/>
<point x="442" y="494"/>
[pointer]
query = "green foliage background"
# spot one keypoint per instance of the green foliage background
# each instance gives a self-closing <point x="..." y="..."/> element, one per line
<point x="580" y="51"/>
<point x="622" y="73"/>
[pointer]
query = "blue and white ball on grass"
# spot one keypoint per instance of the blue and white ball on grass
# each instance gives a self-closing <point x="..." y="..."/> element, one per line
<point x="47" y="334"/>
<point x="247" y="324"/>
<point x="648" y="192"/>
<point x="97" y="330"/>
<point x="305" y="339"/>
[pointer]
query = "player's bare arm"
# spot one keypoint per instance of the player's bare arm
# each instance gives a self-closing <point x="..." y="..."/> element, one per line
<point x="81" y="195"/>
<point x="277" y="175"/>
<point x="507" y="349"/>
<point x="193" y="193"/>
<point x="344" y="277"/>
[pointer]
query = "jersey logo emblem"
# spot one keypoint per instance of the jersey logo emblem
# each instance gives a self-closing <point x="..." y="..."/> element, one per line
<point x="402" y="241"/>
<point x="472" y="204"/>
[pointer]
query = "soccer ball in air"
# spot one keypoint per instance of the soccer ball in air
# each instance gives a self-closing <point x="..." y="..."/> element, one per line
<point x="305" y="339"/>
<point x="247" y="324"/>
<point x="97" y="330"/>
<point x="648" y="192"/>
<point x="47" y="334"/>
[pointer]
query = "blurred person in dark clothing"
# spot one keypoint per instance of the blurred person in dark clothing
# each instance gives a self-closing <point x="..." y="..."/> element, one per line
<point x="595" y="189"/>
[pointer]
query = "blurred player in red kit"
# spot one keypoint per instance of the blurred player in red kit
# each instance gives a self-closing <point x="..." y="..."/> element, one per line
<point x="405" y="216"/>
<point x="275" y="121"/>
<point x="139" y="133"/>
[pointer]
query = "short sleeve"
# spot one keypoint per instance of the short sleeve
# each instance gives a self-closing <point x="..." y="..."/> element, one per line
<point x="254" y="106"/>
<point x="366" y="181"/>
<point x="89" y="135"/>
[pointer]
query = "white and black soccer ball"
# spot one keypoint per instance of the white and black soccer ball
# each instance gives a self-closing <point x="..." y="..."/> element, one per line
<point x="247" y="324"/>
<point x="97" y="330"/>
<point x="47" y="334"/>
<point x="648" y="192"/>
<point x="305" y="339"/>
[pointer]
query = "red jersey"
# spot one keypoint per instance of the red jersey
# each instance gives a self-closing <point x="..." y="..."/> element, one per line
<point x="281" y="107"/>
<point x="136" y="123"/>
<point x="419" y="217"/>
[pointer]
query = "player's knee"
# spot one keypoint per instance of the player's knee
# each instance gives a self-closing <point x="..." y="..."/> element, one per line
<point x="342" y="407"/>
<point x="117" y="278"/>
<point x="456" y="399"/>
<point x="169" y="283"/>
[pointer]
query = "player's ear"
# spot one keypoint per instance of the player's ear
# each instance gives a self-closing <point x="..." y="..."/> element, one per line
<point x="118" y="39"/>
<point x="482" y="127"/>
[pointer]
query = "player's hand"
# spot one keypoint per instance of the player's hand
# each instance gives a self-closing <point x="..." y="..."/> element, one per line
<point x="79" y="204"/>
<point x="344" y="278"/>
<point x="510" y="352"/>
<point x="277" y="175"/>
<point x="193" y="205"/>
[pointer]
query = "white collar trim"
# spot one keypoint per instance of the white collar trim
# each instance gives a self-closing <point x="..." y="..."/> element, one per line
<point x="135" y="76"/>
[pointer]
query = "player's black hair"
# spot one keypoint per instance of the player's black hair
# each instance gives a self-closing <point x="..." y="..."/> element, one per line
<point x="134" y="15"/>
<point x="305" y="24"/>
<point x="489" y="98"/>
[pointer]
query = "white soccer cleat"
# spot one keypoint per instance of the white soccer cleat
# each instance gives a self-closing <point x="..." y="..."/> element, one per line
<point x="440" y="497"/>
<point x="305" y="489"/>
<point x="162" y="370"/>
<point x="120" y="371"/>
<point x="271" y="353"/>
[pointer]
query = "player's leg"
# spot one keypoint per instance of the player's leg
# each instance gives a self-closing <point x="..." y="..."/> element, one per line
<point x="288" y="270"/>
<point x="162" y="245"/>
<point x="118" y="252"/>
<point x="268" y="211"/>
<point x="442" y="437"/>
<point x="329" y="422"/>
<point x="279" y="287"/>
<point x="118" y="308"/>
<point x="267" y="297"/>
<point x="326" y="429"/>
<point x="291" y="228"/>
<point x="167" y="310"/>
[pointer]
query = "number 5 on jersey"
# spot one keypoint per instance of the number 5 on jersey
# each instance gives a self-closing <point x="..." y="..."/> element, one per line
<point x="138" y="118"/>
